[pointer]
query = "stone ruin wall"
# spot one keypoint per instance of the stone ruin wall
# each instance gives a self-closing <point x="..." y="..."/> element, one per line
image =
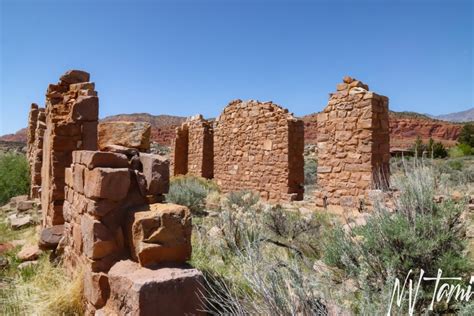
<point x="34" y="154"/>
<point x="117" y="237"/>
<point x="353" y="146"/>
<point x="102" y="209"/>
<point x="71" y="124"/>
<point x="259" y="146"/>
<point x="193" y="148"/>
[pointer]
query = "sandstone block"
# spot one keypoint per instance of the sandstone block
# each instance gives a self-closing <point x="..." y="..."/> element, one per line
<point x="136" y="290"/>
<point x="89" y="135"/>
<point x="78" y="177"/>
<point x="97" y="240"/>
<point x="29" y="253"/>
<point x="107" y="183"/>
<point x="94" y="159"/>
<point x="127" y="134"/>
<point x="75" y="76"/>
<point x="156" y="171"/>
<point x="86" y="108"/>
<point x="160" y="233"/>
<point x="96" y="288"/>
<point x="50" y="237"/>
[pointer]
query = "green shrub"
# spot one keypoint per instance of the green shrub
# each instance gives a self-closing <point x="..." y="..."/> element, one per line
<point x="14" y="178"/>
<point x="190" y="191"/>
<point x="420" y="235"/>
<point x="244" y="199"/>
<point x="456" y="164"/>
<point x="310" y="171"/>
<point x="439" y="151"/>
<point x="466" y="136"/>
<point x="460" y="150"/>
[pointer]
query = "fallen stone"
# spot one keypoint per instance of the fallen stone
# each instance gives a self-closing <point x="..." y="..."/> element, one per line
<point x="6" y="246"/>
<point x="14" y="200"/>
<point x="127" y="134"/>
<point x="136" y="290"/>
<point x="29" y="253"/>
<point x="20" y="222"/>
<point x="50" y="237"/>
<point x="25" y="205"/>
<point x="160" y="233"/>
<point x="27" y="264"/>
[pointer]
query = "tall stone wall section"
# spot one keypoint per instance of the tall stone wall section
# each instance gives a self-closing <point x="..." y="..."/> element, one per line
<point x="193" y="148"/>
<point x="71" y="124"/>
<point x="36" y="128"/>
<point x="259" y="146"/>
<point x="353" y="146"/>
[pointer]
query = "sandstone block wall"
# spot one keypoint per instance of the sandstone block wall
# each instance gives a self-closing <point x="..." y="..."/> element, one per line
<point x="35" y="149"/>
<point x="71" y="124"/>
<point x="108" y="218"/>
<point x="193" y="148"/>
<point x="353" y="146"/>
<point x="259" y="146"/>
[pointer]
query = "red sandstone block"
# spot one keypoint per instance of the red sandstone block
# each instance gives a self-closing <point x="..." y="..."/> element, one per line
<point x="78" y="177"/>
<point x="101" y="207"/>
<point x="140" y="291"/>
<point x="96" y="288"/>
<point x="94" y="159"/>
<point x="82" y="86"/>
<point x="86" y="108"/>
<point x="156" y="171"/>
<point x="89" y="135"/>
<point x="74" y="76"/>
<point x="98" y="241"/>
<point x="160" y="233"/>
<point x="107" y="183"/>
<point x="68" y="179"/>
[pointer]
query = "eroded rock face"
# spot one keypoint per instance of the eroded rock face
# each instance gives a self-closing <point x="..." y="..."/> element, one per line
<point x="71" y="124"/>
<point x="353" y="146"/>
<point x="127" y="134"/>
<point x="160" y="233"/>
<point x="259" y="146"/>
<point x="136" y="290"/>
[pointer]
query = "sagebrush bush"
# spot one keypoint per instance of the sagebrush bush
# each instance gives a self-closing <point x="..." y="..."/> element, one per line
<point x="14" y="179"/>
<point x="419" y="235"/>
<point x="190" y="191"/>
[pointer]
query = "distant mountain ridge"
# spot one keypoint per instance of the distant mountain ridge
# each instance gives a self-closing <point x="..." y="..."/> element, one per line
<point x="463" y="116"/>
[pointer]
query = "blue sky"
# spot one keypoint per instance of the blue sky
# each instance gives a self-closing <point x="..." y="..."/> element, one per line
<point x="188" y="57"/>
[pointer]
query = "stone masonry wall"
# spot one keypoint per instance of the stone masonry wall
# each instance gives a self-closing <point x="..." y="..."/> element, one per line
<point x="71" y="124"/>
<point x="193" y="148"/>
<point x="259" y="146"/>
<point x="35" y="154"/>
<point x="109" y="225"/>
<point x="353" y="146"/>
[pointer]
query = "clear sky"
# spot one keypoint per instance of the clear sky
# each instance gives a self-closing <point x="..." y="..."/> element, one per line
<point x="188" y="57"/>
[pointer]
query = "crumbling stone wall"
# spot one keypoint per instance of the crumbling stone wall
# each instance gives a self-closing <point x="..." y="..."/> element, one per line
<point x="36" y="127"/>
<point x="111" y="225"/>
<point x="193" y="148"/>
<point x="259" y="146"/>
<point x="71" y="124"/>
<point x="353" y="146"/>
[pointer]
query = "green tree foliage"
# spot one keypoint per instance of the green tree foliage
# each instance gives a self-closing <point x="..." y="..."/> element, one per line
<point x="14" y="179"/>
<point x="467" y="135"/>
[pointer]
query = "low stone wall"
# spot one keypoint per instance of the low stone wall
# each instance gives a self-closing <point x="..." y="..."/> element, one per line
<point x="353" y="146"/>
<point x="111" y="225"/>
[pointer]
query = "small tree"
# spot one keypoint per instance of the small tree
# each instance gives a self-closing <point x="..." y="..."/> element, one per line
<point x="439" y="151"/>
<point x="466" y="136"/>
